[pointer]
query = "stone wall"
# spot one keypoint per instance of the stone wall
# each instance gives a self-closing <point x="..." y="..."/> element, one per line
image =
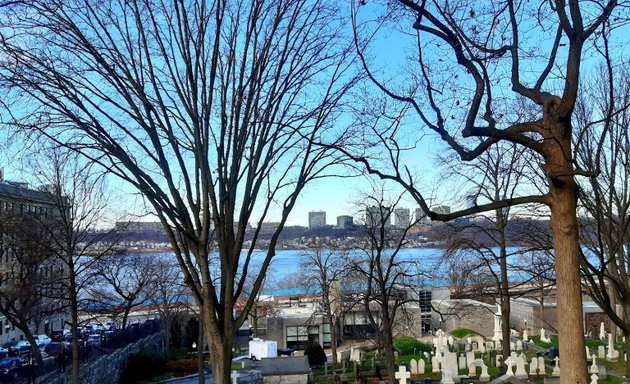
<point x="107" y="369"/>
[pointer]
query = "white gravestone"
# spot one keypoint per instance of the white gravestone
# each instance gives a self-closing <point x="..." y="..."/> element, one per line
<point x="402" y="375"/>
<point x="611" y="356"/>
<point x="472" y="369"/>
<point x="470" y="357"/>
<point x="601" y="352"/>
<point x="461" y="362"/>
<point x="520" y="373"/>
<point x="413" y="367"/>
<point x="435" y="364"/>
<point x="543" y="337"/>
<point x="556" y="369"/>
<point x="519" y="345"/>
<point x="447" y="377"/>
<point x="525" y="336"/>
<point x="235" y="377"/>
<point x="498" y="334"/>
<point x="533" y="366"/>
<point x="594" y="378"/>
<point x="509" y="363"/>
<point x="594" y="368"/>
<point x="484" y="376"/>
<point x="541" y="366"/>
<point x="421" y="367"/>
<point x="602" y="331"/>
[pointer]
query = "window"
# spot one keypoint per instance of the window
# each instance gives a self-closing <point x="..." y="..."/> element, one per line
<point x="424" y="301"/>
<point x="297" y="337"/>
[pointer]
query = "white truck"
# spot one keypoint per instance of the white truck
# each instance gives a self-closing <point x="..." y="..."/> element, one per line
<point x="259" y="349"/>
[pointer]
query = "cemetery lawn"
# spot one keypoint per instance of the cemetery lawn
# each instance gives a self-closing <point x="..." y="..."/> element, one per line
<point x="460" y="333"/>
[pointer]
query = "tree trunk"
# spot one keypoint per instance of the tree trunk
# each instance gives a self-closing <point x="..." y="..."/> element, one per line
<point x="333" y="338"/>
<point x="564" y="226"/>
<point x="74" y="329"/>
<point x="200" y="347"/>
<point x="388" y="345"/>
<point x="220" y="349"/>
<point x="505" y="326"/>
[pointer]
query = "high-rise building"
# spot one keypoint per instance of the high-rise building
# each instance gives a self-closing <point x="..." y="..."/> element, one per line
<point x="345" y="222"/>
<point x="421" y="217"/>
<point x="377" y="216"/>
<point x="401" y="217"/>
<point x="442" y="209"/>
<point x="316" y="219"/>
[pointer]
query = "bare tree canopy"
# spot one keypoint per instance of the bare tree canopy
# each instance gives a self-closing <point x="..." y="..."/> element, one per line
<point x="209" y="109"/>
<point x="469" y="64"/>
<point x="604" y="117"/>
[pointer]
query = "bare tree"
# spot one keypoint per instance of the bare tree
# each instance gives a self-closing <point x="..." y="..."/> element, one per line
<point x="209" y="109"/>
<point x="385" y="280"/>
<point x="170" y="297"/>
<point x="79" y="196"/>
<point x="606" y="200"/>
<point x="323" y="270"/>
<point x="485" y="242"/>
<point x="123" y="282"/>
<point x="468" y="59"/>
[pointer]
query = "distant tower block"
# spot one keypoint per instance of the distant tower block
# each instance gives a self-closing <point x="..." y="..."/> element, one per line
<point x="316" y="219"/>
<point x="402" y="217"/>
<point x="345" y="222"/>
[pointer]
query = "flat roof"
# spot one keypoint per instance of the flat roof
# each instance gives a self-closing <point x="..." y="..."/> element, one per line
<point x="283" y="366"/>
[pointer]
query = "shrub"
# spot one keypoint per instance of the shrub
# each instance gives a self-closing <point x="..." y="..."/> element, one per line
<point x="141" y="366"/>
<point x="182" y="367"/>
<point x="316" y="354"/>
<point x="406" y="345"/>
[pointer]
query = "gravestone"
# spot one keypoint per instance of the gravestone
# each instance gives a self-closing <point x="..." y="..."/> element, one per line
<point x="402" y="375"/>
<point x="601" y="352"/>
<point x="235" y="376"/>
<point x="435" y="364"/>
<point x="484" y="376"/>
<point x="594" y="368"/>
<point x="602" y="331"/>
<point x="447" y="377"/>
<point x="533" y="366"/>
<point x="520" y="373"/>
<point x="611" y="355"/>
<point x="499" y="361"/>
<point x="525" y="336"/>
<point x="472" y="369"/>
<point x="541" y="366"/>
<point x="519" y="345"/>
<point x="461" y="362"/>
<point x="603" y="373"/>
<point x="509" y="364"/>
<point x="556" y="369"/>
<point x="421" y="367"/>
<point x="470" y="357"/>
<point x="593" y="379"/>
<point x="413" y="367"/>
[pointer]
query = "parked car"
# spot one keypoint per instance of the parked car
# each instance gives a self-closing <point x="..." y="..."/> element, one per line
<point x="18" y="347"/>
<point x="42" y="340"/>
<point x="59" y="335"/>
<point x="56" y="348"/>
<point x="11" y="368"/>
